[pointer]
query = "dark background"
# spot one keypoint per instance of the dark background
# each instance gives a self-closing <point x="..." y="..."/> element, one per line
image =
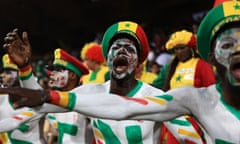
<point x="71" y="23"/>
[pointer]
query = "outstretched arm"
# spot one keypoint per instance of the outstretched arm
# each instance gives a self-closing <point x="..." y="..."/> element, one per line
<point x="109" y="106"/>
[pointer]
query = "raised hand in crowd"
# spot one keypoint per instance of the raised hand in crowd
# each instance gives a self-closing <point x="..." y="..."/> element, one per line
<point x="18" y="48"/>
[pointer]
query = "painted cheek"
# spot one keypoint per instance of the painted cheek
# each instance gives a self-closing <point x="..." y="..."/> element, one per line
<point x="221" y="56"/>
<point x="134" y="59"/>
<point x="111" y="54"/>
<point x="10" y="78"/>
<point x="132" y="62"/>
<point x="60" y="79"/>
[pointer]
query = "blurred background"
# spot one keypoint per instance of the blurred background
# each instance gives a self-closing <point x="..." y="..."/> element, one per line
<point x="69" y="24"/>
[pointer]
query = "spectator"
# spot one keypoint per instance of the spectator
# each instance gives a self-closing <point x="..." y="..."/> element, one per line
<point x="93" y="58"/>
<point x="186" y="69"/>
<point x="125" y="46"/>
<point x="215" y="107"/>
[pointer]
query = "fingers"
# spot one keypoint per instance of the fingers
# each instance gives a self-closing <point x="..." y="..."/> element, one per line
<point x="11" y="36"/>
<point x="15" y="30"/>
<point x="25" y="37"/>
<point x="6" y="46"/>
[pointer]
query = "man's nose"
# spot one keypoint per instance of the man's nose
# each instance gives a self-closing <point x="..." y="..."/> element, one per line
<point x="122" y="50"/>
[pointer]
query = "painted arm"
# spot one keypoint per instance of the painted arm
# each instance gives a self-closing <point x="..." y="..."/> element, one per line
<point x="110" y="106"/>
<point x="27" y="79"/>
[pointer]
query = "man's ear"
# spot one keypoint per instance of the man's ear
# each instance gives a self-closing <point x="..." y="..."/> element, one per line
<point x="211" y="58"/>
<point x="72" y="75"/>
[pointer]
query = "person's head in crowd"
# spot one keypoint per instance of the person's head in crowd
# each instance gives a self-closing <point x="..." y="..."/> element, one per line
<point x="65" y="71"/>
<point x="155" y="68"/>
<point x="219" y="41"/>
<point x="9" y="74"/>
<point x="183" y="44"/>
<point x="125" y="46"/>
<point x="184" y="68"/>
<point x="92" y="56"/>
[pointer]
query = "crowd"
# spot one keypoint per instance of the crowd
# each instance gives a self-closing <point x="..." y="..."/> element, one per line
<point x="181" y="88"/>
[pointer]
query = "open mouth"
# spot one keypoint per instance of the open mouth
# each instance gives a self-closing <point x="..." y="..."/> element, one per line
<point x="120" y="64"/>
<point x="235" y="67"/>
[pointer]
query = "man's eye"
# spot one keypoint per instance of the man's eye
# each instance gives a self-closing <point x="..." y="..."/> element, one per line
<point x="115" y="47"/>
<point x="62" y="70"/>
<point x="8" y="71"/>
<point x="227" y="45"/>
<point x="130" y="49"/>
<point x="59" y="69"/>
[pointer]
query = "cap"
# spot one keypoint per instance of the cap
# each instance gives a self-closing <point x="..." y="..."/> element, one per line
<point x="217" y="2"/>
<point x="8" y="63"/>
<point x="182" y="37"/>
<point x="219" y="16"/>
<point x="131" y="29"/>
<point x="62" y="58"/>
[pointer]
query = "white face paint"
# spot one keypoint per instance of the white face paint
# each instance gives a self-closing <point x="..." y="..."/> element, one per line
<point x="8" y="78"/>
<point x="122" y="58"/>
<point x="58" y="79"/>
<point x="227" y="44"/>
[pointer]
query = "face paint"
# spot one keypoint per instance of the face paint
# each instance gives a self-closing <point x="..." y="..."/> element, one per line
<point x="227" y="45"/>
<point x="122" y="58"/>
<point x="8" y="78"/>
<point x="58" y="79"/>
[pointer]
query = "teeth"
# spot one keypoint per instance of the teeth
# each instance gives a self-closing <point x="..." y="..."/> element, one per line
<point x="120" y="68"/>
<point x="236" y="72"/>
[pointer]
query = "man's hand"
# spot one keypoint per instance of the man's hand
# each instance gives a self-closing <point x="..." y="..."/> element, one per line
<point x="19" y="49"/>
<point x="21" y="97"/>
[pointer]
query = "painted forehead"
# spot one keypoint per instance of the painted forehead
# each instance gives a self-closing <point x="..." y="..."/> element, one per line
<point x="232" y="32"/>
<point x="124" y="41"/>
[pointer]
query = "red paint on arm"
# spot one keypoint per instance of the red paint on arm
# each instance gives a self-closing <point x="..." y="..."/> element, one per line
<point x="138" y="100"/>
<point x="54" y="97"/>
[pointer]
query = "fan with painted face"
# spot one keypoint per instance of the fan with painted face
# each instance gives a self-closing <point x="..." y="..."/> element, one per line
<point x="9" y="74"/>
<point x="65" y="71"/>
